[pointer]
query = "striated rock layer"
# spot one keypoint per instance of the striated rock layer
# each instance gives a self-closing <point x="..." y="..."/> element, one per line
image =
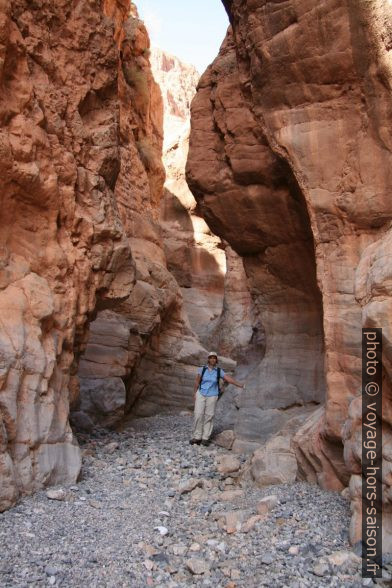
<point x="291" y="129"/>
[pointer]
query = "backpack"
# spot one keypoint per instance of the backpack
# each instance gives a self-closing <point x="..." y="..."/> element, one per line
<point x="218" y="376"/>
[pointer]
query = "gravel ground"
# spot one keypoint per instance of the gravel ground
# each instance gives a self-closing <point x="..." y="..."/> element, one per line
<point x="130" y="521"/>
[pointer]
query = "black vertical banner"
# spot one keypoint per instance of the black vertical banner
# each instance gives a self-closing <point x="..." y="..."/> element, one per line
<point x="371" y="452"/>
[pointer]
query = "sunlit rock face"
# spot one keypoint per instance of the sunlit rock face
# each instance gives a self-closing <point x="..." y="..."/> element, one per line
<point x="177" y="81"/>
<point x="194" y="255"/>
<point x="304" y="160"/>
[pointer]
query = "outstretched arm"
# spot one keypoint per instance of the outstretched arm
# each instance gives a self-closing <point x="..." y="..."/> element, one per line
<point x="233" y="381"/>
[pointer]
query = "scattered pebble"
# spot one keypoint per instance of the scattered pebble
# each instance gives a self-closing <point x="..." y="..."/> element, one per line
<point x="162" y="530"/>
<point x="197" y="566"/>
<point x="56" y="494"/>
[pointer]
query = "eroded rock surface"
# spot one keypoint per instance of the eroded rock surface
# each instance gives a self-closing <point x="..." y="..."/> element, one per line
<point x="232" y="168"/>
<point x="62" y="240"/>
<point x="81" y="180"/>
<point x="291" y="128"/>
<point x="141" y="356"/>
<point x="195" y="256"/>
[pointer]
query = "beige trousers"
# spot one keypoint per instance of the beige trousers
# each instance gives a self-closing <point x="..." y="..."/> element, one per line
<point x="204" y="416"/>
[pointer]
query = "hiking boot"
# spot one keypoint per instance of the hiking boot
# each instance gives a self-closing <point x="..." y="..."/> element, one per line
<point x="195" y="441"/>
<point x="206" y="442"/>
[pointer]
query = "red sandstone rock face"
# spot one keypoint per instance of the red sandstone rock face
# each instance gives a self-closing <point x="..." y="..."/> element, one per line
<point x="250" y="198"/>
<point x="141" y="355"/>
<point x="313" y="87"/>
<point x="57" y="177"/>
<point x="81" y="178"/>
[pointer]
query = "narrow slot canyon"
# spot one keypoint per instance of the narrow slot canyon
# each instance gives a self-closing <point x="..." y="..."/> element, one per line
<point x="154" y="210"/>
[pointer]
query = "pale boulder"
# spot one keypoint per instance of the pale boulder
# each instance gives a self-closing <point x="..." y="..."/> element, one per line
<point x="274" y="463"/>
<point x="225" y="439"/>
<point x="228" y="464"/>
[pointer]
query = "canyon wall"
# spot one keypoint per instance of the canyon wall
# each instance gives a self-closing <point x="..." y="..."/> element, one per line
<point x="291" y="130"/>
<point x="81" y="131"/>
<point x="74" y="105"/>
<point x="195" y="256"/>
<point x="249" y="197"/>
<point x="140" y="358"/>
<point x="62" y="240"/>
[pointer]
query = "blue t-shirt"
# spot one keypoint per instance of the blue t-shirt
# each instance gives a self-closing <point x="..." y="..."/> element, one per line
<point x="209" y="384"/>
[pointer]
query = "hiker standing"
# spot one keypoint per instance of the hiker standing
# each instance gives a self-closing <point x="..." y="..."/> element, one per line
<point x="206" y="396"/>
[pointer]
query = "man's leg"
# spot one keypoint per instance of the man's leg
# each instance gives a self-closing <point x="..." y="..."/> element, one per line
<point x="198" y="419"/>
<point x="209" y="417"/>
